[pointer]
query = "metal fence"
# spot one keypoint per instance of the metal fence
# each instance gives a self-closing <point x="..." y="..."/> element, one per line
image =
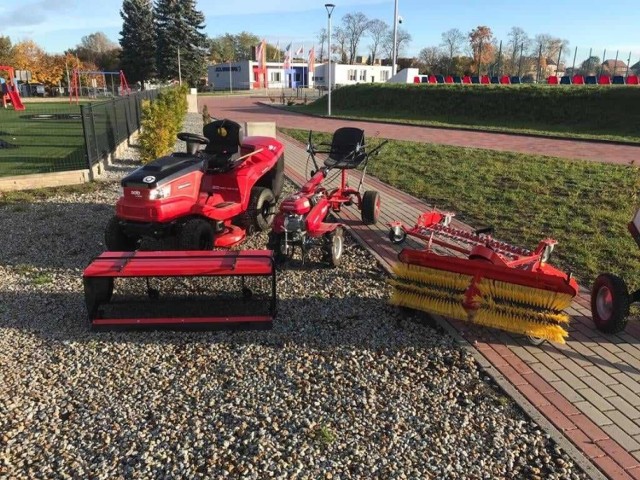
<point x="59" y="136"/>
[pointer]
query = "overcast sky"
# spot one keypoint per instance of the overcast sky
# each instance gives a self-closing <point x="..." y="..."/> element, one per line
<point x="613" y="25"/>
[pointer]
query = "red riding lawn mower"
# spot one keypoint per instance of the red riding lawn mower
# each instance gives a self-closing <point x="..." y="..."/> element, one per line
<point x="303" y="220"/>
<point x="202" y="198"/>
<point x="610" y="297"/>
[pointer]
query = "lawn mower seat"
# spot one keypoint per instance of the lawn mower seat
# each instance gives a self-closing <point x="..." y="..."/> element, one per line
<point x="225" y="137"/>
<point x="347" y="148"/>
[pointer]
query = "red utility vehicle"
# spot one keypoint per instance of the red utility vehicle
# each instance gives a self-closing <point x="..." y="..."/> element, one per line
<point x="203" y="198"/>
<point x="303" y="217"/>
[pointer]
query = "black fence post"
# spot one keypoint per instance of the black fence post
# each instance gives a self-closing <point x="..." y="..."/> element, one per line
<point x="85" y="134"/>
<point x="93" y="128"/>
<point x="116" y="138"/>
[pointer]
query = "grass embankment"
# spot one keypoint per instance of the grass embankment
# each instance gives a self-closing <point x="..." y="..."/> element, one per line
<point x="47" y="137"/>
<point x="587" y="112"/>
<point x="585" y="206"/>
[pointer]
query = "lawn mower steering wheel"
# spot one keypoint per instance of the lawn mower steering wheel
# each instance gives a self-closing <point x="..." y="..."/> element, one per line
<point x="193" y="138"/>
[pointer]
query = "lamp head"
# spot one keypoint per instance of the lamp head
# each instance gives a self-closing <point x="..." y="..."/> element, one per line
<point x="329" y="7"/>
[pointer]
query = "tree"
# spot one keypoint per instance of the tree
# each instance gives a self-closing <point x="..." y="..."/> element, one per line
<point x="452" y="42"/>
<point x="378" y="30"/>
<point x="47" y="69"/>
<point x="430" y="58"/>
<point x="339" y="46"/>
<point x="519" y="42"/>
<point x="138" y="40"/>
<point x="98" y="50"/>
<point x="6" y="51"/>
<point x="355" y="25"/>
<point x="179" y="29"/>
<point x="481" y="47"/>
<point x="403" y="39"/>
<point x="590" y="65"/>
<point x="322" y="38"/>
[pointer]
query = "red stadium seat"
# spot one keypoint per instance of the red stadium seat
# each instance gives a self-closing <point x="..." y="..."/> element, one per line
<point x="416" y="79"/>
<point x="632" y="80"/>
<point x="432" y="79"/>
<point x="577" y="80"/>
<point x="485" y="79"/>
<point x="505" y="80"/>
<point x="448" y="79"/>
<point x="466" y="79"/>
<point x="552" y="80"/>
<point x="604" y="80"/>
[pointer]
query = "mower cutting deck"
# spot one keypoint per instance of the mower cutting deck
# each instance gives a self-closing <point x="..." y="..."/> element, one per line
<point x="186" y="302"/>
<point x="492" y="283"/>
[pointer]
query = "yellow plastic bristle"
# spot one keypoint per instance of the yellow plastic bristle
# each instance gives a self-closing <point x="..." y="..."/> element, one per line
<point x="432" y="276"/>
<point x="539" y="315"/>
<point x="437" y="306"/>
<point x="429" y="291"/>
<point x="536" y="297"/>
<point x="515" y="324"/>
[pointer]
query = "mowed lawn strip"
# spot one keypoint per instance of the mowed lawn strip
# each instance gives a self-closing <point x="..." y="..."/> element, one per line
<point x="585" y="206"/>
<point x="47" y="139"/>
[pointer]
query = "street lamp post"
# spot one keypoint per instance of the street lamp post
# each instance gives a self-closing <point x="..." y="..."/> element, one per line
<point x="329" y="7"/>
<point x="395" y="39"/>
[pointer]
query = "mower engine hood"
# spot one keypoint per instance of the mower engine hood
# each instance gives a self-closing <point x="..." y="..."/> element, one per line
<point x="162" y="170"/>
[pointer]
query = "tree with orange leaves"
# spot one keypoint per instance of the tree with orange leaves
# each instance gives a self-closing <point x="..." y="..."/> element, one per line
<point x="45" y="68"/>
<point x="481" y="46"/>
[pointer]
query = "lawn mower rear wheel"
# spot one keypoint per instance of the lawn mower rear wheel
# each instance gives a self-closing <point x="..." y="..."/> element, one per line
<point x="610" y="303"/>
<point x="370" y="207"/>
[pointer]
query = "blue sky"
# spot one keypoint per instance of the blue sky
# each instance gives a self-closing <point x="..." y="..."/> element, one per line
<point x="60" y="24"/>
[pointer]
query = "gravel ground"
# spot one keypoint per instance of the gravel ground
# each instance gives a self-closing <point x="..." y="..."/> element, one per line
<point x="343" y="386"/>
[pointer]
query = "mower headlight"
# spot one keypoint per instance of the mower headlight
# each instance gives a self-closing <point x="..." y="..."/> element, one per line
<point x="158" y="193"/>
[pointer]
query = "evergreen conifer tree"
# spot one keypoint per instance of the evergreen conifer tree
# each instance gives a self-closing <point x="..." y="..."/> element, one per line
<point x="138" y="40"/>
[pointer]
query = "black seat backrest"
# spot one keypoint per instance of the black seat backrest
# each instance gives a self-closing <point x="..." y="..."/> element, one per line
<point x="224" y="136"/>
<point x="347" y="144"/>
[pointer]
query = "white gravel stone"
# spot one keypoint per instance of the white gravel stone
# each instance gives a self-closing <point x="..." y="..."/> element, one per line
<point x="344" y="386"/>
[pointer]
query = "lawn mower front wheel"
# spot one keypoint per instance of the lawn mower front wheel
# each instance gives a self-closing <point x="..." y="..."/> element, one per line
<point x="610" y="303"/>
<point x="196" y="234"/>
<point x="116" y="240"/>
<point x="370" y="207"/>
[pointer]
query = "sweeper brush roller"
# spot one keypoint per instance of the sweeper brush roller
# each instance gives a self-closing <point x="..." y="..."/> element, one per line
<point x="493" y="284"/>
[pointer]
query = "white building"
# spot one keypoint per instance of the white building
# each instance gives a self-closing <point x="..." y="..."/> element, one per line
<point x="247" y="75"/>
<point x="350" y="74"/>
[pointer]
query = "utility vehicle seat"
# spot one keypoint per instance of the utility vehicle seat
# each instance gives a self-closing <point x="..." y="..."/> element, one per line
<point x="347" y="149"/>
<point x="223" y="149"/>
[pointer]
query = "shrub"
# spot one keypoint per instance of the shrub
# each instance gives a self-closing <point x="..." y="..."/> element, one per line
<point x="161" y="122"/>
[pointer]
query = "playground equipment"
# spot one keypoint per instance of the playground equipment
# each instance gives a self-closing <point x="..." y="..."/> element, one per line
<point x="10" y="89"/>
<point x="75" y="88"/>
<point x="493" y="284"/>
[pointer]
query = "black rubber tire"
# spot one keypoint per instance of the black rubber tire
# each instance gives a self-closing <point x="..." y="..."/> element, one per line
<point x="333" y="247"/>
<point x="260" y="212"/>
<point x="610" y="303"/>
<point x="115" y="240"/>
<point x="535" y="341"/>
<point x="370" y="207"/>
<point x="97" y="290"/>
<point x="196" y="234"/>
<point x="275" y="243"/>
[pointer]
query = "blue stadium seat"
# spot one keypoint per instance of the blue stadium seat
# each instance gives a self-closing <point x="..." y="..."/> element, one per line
<point x="457" y="79"/>
<point x="566" y="80"/>
<point x="515" y="80"/>
<point x="591" y="80"/>
<point x="440" y="78"/>
<point x="495" y="80"/>
<point x="618" y="80"/>
<point x="475" y="79"/>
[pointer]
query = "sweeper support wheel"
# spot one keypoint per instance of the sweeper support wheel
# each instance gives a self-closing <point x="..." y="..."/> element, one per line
<point x="610" y="303"/>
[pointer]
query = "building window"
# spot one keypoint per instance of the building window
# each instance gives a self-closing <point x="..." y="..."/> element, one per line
<point x="384" y="75"/>
<point x="363" y="75"/>
<point x="352" y="74"/>
<point x="275" y="77"/>
<point x="318" y="79"/>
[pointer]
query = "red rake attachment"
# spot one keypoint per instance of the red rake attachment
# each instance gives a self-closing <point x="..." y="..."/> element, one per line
<point x="184" y="295"/>
<point x="490" y="283"/>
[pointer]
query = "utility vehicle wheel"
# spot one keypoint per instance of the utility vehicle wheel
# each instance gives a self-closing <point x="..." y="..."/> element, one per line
<point x="260" y="212"/>
<point x="196" y="234"/>
<point x="333" y="247"/>
<point x="370" y="207"/>
<point x="116" y="240"/>
<point x="276" y="243"/>
<point x="610" y="303"/>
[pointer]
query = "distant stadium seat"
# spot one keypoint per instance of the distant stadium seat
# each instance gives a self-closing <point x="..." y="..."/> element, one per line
<point x="505" y="80"/>
<point x="448" y="79"/>
<point x="604" y="80"/>
<point x="495" y="79"/>
<point x="466" y="79"/>
<point x="475" y="79"/>
<point x="591" y="80"/>
<point x="424" y="79"/>
<point x="632" y="80"/>
<point x="515" y="80"/>
<point x="577" y="80"/>
<point x="552" y="80"/>
<point x="618" y="80"/>
<point x="432" y="79"/>
<point x="440" y="78"/>
<point x="457" y="79"/>
<point x="416" y="79"/>
<point x="566" y="80"/>
<point x="485" y="80"/>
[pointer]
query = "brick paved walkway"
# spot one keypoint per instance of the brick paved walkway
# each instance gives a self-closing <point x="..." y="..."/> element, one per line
<point x="248" y="109"/>
<point x="587" y="391"/>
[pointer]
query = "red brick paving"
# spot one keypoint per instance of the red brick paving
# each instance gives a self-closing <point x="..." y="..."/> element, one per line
<point x="590" y="367"/>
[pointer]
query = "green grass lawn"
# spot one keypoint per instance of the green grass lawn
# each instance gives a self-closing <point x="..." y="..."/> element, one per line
<point x="44" y="142"/>
<point x="585" y="206"/>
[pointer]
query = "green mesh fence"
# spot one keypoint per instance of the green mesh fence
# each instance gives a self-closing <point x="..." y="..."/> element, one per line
<point x="59" y="136"/>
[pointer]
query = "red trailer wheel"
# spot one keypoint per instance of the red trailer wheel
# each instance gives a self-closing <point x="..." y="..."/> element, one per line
<point x="610" y="303"/>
